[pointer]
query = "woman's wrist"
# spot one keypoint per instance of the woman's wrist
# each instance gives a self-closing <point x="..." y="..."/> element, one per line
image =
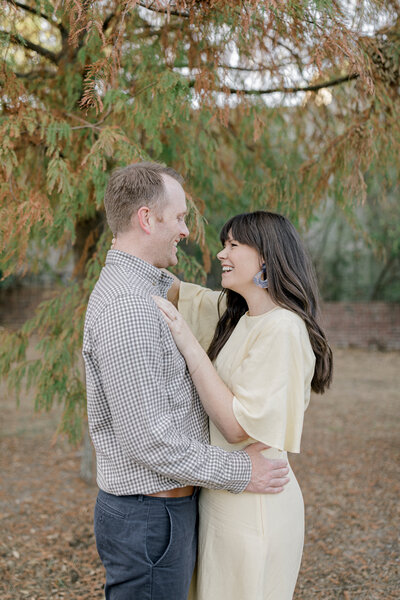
<point x="194" y="356"/>
<point x="192" y="371"/>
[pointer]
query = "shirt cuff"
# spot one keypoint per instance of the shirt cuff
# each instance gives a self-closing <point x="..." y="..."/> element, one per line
<point x="241" y="465"/>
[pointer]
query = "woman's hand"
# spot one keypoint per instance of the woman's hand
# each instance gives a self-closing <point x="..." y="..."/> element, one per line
<point x="181" y="332"/>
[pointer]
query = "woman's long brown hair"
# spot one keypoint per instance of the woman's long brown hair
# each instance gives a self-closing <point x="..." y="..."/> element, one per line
<point x="291" y="284"/>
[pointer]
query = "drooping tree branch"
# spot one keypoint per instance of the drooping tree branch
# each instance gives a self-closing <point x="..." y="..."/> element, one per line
<point x="21" y="41"/>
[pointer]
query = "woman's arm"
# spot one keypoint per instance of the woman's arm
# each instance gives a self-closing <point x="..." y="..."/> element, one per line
<point x="215" y="396"/>
<point x="173" y="292"/>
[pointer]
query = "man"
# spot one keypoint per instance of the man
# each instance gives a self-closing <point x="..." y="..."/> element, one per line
<point x="148" y="428"/>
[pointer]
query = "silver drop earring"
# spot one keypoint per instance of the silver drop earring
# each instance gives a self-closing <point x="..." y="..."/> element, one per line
<point x="261" y="278"/>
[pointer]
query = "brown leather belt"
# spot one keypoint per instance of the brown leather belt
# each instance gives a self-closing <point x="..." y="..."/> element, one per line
<point x="175" y="493"/>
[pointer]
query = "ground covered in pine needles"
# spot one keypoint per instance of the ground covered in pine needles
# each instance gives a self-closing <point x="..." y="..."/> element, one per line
<point x="349" y="471"/>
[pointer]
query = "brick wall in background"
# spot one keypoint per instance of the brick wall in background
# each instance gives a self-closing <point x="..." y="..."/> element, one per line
<point x="374" y="325"/>
<point x="17" y="304"/>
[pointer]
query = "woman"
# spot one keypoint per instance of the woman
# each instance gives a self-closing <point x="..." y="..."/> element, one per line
<point x="266" y="352"/>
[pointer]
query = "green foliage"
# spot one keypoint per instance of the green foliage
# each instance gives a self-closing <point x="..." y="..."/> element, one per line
<point x="357" y="254"/>
<point x="86" y="87"/>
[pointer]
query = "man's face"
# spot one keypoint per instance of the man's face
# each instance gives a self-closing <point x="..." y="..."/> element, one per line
<point x="170" y="227"/>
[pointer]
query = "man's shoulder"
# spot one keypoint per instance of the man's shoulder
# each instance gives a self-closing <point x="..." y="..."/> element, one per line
<point x="117" y="292"/>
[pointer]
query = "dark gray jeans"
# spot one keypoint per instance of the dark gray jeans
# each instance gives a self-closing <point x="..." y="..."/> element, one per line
<point x="147" y="545"/>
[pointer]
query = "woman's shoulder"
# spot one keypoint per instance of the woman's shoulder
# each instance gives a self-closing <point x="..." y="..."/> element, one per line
<point x="282" y="320"/>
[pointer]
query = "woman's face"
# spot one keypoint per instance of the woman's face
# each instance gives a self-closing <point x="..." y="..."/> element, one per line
<point x="239" y="264"/>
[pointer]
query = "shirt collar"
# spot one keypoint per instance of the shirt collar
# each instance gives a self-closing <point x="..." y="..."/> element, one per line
<point x="138" y="267"/>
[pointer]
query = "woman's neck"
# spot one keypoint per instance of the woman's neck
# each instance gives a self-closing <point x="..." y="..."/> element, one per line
<point x="259" y="301"/>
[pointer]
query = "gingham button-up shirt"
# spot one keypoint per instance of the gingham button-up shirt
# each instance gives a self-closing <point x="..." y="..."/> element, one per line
<point x="147" y="424"/>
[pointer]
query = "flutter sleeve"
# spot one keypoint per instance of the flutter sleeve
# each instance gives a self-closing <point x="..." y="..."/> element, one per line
<point x="199" y="308"/>
<point x="271" y="387"/>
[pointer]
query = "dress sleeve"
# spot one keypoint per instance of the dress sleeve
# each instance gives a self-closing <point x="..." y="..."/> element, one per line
<point x="199" y="308"/>
<point x="270" y="387"/>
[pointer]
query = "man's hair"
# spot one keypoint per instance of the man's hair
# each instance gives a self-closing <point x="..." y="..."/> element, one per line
<point x="131" y="187"/>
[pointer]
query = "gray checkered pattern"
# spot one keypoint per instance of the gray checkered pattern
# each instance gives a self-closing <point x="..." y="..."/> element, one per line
<point x="147" y="424"/>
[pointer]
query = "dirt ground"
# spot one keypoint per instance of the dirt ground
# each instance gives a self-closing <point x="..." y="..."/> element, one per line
<point x="349" y="470"/>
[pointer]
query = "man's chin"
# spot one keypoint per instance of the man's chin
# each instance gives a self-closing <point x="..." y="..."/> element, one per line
<point x="173" y="260"/>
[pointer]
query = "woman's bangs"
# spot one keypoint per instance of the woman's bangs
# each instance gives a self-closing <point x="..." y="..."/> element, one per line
<point x="240" y="229"/>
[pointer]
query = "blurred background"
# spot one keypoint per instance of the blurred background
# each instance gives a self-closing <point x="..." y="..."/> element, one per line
<point x="292" y="107"/>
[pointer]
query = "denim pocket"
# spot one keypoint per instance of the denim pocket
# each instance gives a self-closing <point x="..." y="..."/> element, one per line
<point x="158" y="532"/>
<point x="111" y="511"/>
<point x="109" y="529"/>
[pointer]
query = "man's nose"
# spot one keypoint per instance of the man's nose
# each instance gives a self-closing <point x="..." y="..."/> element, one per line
<point x="184" y="231"/>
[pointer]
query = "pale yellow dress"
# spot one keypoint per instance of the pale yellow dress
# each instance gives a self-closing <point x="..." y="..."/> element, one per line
<point x="250" y="545"/>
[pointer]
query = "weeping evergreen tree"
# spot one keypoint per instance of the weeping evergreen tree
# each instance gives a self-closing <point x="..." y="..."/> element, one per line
<point x="279" y="104"/>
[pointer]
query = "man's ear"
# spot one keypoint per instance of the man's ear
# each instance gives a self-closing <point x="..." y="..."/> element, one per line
<point x="144" y="218"/>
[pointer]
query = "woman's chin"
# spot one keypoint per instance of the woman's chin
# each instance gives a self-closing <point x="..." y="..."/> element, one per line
<point x="225" y="284"/>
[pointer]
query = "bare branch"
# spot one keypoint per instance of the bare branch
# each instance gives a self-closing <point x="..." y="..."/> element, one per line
<point x="108" y="20"/>
<point x="291" y="90"/>
<point x="88" y="124"/>
<point x="165" y="11"/>
<point x="35" y="74"/>
<point x="21" y="41"/>
<point x="255" y="69"/>
<point x="37" y="12"/>
<point x="283" y="90"/>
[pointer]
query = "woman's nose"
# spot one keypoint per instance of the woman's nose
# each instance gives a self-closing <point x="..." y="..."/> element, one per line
<point x="221" y="255"/>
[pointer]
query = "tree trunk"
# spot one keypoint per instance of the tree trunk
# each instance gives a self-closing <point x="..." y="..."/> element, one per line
<point x="87" y="233"/>
<point x="88" y="461"/>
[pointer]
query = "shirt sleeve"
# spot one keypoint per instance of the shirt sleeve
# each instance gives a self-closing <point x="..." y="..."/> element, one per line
<point x="129" y="352"/>
<point x="270" y="387"/>
<point x="199" y="308"/>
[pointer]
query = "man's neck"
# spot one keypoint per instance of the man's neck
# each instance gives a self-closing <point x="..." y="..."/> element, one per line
<point x="125" y="245"/>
